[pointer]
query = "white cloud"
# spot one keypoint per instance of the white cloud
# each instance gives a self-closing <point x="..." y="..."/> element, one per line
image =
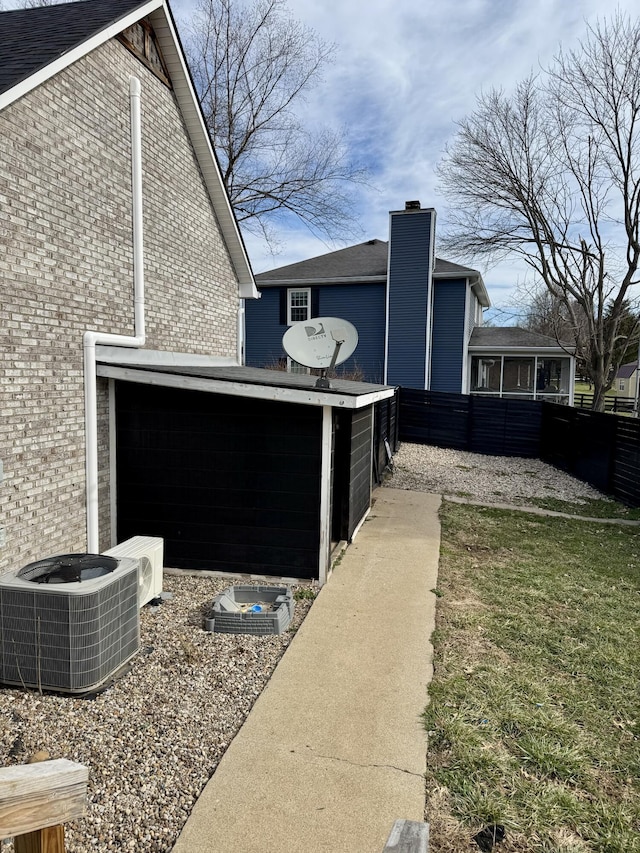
<point x="404" y="72"/>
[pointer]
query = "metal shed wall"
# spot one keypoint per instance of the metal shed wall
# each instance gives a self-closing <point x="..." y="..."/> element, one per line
<point x="231" y="484"/>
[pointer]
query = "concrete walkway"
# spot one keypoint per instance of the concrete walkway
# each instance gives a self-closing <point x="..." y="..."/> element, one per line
<point x="333" y="751"/>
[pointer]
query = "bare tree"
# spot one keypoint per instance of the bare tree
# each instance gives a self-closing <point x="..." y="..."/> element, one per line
<point x="551" y="174"/>
<point x="253" y="66"/>
<point x="547" y="314"/>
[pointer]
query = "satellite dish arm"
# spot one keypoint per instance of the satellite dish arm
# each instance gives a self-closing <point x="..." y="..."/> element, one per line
<point x="339" y="336"/>
<point x="335" y="354"/>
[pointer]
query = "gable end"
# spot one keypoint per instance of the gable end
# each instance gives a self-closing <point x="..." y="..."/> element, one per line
<point x="141" y="40"/>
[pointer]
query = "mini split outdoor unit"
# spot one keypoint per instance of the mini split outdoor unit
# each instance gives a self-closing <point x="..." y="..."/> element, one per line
<point x="149" y="551"/>
<point x="68" y="623"/>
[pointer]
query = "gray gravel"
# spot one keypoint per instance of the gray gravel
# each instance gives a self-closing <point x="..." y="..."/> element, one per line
<point x="153" y="739"/>
<point x="494" y="479"/>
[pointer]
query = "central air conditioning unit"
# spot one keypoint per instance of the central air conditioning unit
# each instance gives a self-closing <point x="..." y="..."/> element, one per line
<point x="149" y="551"/>
<point x="68" y="623"/>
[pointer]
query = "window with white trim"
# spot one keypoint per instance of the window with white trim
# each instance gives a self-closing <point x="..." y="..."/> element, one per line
<point x="298" y="305"/>
<point x="526" y="377"/>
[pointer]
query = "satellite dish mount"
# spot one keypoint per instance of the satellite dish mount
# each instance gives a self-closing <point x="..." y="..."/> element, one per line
<point x="339" y="336"/>
<point x="321" y="343"/>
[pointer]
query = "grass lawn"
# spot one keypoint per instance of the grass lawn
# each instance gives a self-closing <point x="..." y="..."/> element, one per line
<point x="585" y="388"/>
<point x="589" y="508"/>
<point x="534" y="714"/>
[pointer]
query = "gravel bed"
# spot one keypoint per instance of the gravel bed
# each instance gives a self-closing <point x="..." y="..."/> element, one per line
<point x="152" y="739"/>
<point x="494" y="479"/>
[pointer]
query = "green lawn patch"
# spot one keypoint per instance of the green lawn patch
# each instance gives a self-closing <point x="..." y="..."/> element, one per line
<point x="590" y="508"/>
<point x="534" y="714"/>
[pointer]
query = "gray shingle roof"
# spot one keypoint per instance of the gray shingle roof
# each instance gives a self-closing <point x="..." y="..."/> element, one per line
<point x="30" y="39"/>
<point x="366" y="260"/>
<point x="626" y="371"/>
<point x="499" y="337"/>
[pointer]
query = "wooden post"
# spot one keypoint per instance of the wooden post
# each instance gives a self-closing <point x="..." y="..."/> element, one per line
<point x="36" y="799"/>
<point x="48" y="840"/>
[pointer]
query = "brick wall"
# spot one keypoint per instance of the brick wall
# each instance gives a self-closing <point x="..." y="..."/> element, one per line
<point x="66" y="266"/>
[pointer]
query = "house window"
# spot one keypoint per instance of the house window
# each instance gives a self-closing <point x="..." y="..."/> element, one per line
<point x="621" y="384"/>
<point x="530" y="377"/>
<point x="298" y="305"/>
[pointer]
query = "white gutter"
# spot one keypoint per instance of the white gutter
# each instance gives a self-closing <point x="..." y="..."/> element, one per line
<point x="91" y="338"/>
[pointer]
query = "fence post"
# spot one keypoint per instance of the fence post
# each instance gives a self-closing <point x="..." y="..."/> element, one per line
<point x="37" y="799"/>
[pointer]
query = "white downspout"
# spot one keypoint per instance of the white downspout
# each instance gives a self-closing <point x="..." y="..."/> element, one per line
<point x="241" y="334"/>
<point x="91" y="338"/>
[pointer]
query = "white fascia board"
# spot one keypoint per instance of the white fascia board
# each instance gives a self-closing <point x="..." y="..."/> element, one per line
<point x="475" y="280"/>
<point x="481" y="292"/>
<point x="201" y="141"/>
<point x="140" y="357"/>
<point x="71" y="56"/>
<point x="305" y="397"/>
<point x="311" y="282"/>
<point x="502" y="350"/>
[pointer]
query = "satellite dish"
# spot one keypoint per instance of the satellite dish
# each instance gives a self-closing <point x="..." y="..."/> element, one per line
<point x="321" y="342"/>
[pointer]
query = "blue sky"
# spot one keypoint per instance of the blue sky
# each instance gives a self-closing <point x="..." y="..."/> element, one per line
<point x="403" y="73"/>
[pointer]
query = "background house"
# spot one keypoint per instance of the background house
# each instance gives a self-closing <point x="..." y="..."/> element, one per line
<point x="126" y="408"/>
<point x="626" y="382"/>
<point x="419" y="318"/>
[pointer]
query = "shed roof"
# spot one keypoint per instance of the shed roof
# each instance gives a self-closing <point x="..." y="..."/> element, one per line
<point x="513" y="337"/>
<point x="156" y="368"/>
<point x="38" y="43"/>
<point x="626" y="371"/>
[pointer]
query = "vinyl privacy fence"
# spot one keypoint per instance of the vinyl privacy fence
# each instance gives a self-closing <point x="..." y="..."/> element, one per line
<point x="600" y="449"/>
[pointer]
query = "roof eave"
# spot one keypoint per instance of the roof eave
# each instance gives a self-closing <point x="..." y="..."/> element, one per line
<point x="505" y="348"/>
<point x="310" y="282"/>
<point x="69" y="57"/>
<point x="185" y="93"/>
<point x="307" y="397"/>
<point x="161" y="17"/>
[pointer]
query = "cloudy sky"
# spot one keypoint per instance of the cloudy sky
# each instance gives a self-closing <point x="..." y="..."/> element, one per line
<point x="404" y="72"/>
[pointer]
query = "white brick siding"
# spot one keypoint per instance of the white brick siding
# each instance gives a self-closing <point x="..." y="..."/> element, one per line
<point x="66" y="266"/>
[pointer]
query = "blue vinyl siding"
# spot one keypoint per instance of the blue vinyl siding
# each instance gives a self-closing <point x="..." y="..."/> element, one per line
<point x="363" y="305"/>
<point x="448" y="335"/>
<point x="409" y="279"/>
<point x="263" y="344"/>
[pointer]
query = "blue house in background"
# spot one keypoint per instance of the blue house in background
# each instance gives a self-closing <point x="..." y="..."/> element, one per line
<point x="419" y="318"/>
